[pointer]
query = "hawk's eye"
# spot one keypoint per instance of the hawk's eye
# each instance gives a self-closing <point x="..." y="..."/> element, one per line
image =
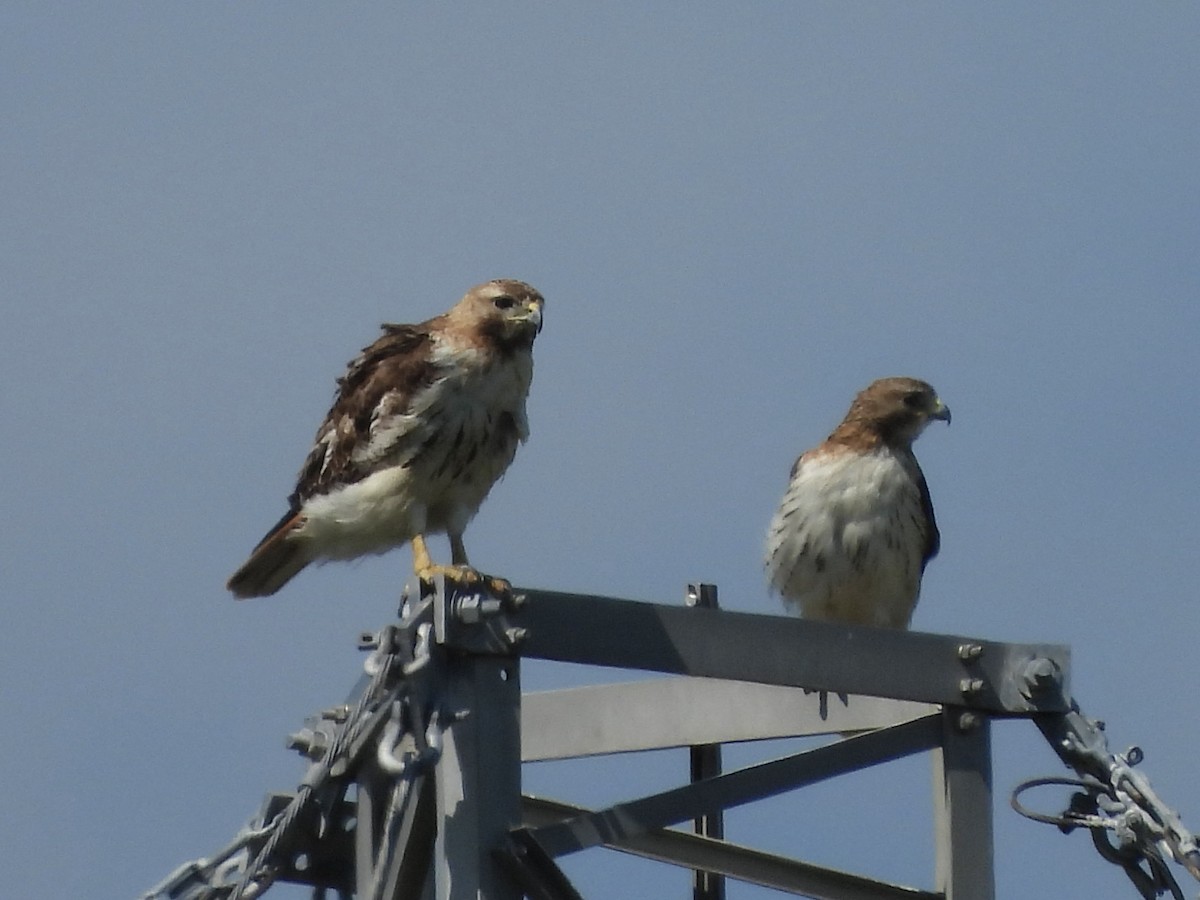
<point x="504" y="302"/>
<point x="914" y="400"/>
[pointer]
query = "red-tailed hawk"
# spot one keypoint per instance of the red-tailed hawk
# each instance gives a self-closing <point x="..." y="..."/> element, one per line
<point x="851" y="538"/>
<point x="425" y="421"/>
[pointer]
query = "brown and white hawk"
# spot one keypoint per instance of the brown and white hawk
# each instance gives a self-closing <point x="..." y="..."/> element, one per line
<point x="425" y="421"/>
<point x="855" y="529"/>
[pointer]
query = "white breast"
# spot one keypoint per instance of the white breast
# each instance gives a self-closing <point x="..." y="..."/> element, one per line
<point x="472" y="446"/>
<point x="847" y="541"/>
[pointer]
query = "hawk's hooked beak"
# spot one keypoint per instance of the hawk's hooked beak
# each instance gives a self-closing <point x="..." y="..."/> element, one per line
<point x="533" y="315"/>
<point x="940" y="411"/>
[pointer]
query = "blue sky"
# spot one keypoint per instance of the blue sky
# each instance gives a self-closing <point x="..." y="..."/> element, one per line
<point x="740" y="214"/>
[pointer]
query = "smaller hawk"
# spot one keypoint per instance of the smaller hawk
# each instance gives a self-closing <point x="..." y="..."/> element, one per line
<point x="855" y="529"/>
<point x="425" y="421"/>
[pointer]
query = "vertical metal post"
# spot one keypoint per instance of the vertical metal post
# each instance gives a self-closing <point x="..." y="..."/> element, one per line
<point x="371" y="791"/>
<point x="479" y="773"/>
<point x="962" y="807"/>
<point x="394" y="833"/>
<point x="706" y="763"/>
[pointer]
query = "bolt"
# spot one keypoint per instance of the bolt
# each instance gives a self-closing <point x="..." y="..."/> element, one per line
<point x="336" y="713"/>
<point x="467" y="609"/>
<point x="1040" y="676"/>
<point x="518" y="600"/>
<point x="516" y="635"/>
<point x="367" y="640"/>
<point x="307" y="742"/>
<point x="970" y="687"/>
<point x="967" y="722"/>
<point x="470" y="610"/>
<point x="970" y="652"/>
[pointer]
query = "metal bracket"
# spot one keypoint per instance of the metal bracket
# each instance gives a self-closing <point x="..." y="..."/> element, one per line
<point x="473" y="620"/>
<point x="1116" y="803"/>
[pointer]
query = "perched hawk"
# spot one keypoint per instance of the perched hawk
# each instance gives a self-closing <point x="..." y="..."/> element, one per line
<point x="855" y="529"/>
<point x="425" y="421"/>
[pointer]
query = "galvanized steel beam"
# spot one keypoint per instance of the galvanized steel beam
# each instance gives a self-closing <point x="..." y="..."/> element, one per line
<point x="929" y="668"/>
<point x="683" y="711"/>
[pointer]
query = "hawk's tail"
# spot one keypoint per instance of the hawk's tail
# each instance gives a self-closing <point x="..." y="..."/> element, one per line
<point x="274" y="562"/>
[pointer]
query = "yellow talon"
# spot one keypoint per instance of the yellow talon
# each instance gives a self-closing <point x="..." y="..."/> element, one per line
<point x="459" y="572"/>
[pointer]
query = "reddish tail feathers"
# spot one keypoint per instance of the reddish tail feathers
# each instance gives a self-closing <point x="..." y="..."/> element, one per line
<point x="275" y="561"/>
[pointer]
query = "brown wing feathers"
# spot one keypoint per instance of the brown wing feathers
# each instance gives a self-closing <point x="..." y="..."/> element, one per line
<point x="392" y="363"/>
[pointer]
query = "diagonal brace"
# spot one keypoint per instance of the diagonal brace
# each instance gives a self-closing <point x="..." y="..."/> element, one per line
<point x="768" y="870"/>
<point x="533" y="869"/>
<point x="636" y="817"/>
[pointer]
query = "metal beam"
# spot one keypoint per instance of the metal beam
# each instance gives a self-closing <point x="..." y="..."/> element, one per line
<point x="478" y="776"/>
<point x="739" y="787"/>
<point x="705" y="762"/>
<point x="962" y="807"/>
<point x="406" y="848"/>
<point x="732" y="860"/>
<point x="683" y="711"/>
<point x="534" y="870"/>
<point x="902" y="665"/>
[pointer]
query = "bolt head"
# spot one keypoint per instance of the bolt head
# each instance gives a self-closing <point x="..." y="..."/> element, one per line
<point x="1040" y="676"/>
<point x="336" y="713"/>
<point x="467" y="609"/>
<point x="969" y="687"/>
<point x="970" y="652"/>
<point x="967" y="722"/>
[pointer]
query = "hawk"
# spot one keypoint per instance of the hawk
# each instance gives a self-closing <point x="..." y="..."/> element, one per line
<point x="855" y="529"/>
<point x="424" y="422"/>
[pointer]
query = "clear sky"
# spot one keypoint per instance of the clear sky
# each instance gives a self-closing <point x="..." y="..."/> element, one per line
<point x="740" y="214"/>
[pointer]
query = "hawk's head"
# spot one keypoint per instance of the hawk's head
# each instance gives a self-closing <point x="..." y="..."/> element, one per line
<point x="506" y="313"/>
<point x="897" y="409"/>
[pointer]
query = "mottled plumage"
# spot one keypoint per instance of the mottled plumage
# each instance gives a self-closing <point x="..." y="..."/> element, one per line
<point x="856" y="528"/>
<point x="425" y="421"/>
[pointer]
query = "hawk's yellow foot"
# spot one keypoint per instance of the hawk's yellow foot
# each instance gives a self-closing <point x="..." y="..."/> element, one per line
<point x="466" y="577"/>
<point x="459" y="572"/>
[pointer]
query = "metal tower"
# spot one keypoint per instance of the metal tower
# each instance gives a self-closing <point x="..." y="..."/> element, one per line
<point x="414" y="787"/>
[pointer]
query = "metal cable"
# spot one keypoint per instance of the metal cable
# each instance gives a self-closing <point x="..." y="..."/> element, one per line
<point x="1121" y="805"/>
<point x="260" y="874"/>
